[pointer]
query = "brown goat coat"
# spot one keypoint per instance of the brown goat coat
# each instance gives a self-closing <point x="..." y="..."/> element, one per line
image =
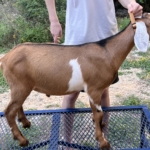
<point x="45" y="68"/>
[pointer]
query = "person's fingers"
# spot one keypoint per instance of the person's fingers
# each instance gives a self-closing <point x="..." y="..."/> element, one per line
<point x="56" y="39"/>
<point x="56" y="31"/>
<point x="136" y="9"/>
<point x="138" y="14"/>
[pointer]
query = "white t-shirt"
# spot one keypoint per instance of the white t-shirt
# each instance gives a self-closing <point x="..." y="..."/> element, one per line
<point x="89" y="21"/>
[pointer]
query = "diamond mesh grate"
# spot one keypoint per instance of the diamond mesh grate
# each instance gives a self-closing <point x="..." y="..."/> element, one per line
<point x="61" y="129"/>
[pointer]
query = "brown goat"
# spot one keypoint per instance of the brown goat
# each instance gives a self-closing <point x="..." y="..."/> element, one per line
<point x="59" y="70"/>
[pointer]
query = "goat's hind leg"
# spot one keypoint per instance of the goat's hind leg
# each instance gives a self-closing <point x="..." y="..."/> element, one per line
<point x="17" y="98"/>
<point x="22" y="118"/>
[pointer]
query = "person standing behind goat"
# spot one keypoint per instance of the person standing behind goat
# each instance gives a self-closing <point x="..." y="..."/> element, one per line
<point x="87" y="21"/>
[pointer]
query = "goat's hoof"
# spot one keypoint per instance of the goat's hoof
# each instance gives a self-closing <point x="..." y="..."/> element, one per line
<point x="19" y="120"/>
<point x="47" y="95"/>
<point x="102" y="125"/>
<point x="24" y="143"/>
<point x="93" y="119"/>
<point x="14" y="137"/>
<point x="27" y="124"/>
<point x="105" y="146"/>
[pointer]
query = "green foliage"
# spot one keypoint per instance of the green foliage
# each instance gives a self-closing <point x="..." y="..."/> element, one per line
<point x="36" y="11"/>
<point x="32" y="25"/>
<point x="145" y="4"/>
<point x="28" y="32"/>
<point x="61" y="11"/>
<point x="141" y="1"/>
<point x="22" y="31"/>
<point x="6" y="34"/>
<point x="4" y="50"/>
<point x="131" y="100"/>
<point x="123" y="22"/>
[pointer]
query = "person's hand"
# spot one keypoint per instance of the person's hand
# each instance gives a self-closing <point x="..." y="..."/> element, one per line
<point x="56" y="31"/>
<point x="135" y="8"/>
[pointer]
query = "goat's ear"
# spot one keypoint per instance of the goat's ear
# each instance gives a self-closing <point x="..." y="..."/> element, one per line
<point x="146" y="15"/>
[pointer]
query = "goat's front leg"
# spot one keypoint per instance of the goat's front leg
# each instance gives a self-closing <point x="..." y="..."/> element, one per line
<point x="97" y="118"/>
<point x="22" y="118"/>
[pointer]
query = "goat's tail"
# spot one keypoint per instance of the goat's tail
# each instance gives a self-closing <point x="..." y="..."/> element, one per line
<point x="1" y="58"/>
<point x="0" y="63"/>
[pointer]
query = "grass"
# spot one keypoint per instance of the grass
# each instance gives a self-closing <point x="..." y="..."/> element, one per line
<point x="31" y="109"/>
<point x="80" y="104"/>
<point x="133" y="100"/>
<point x="143" y="63"/>
<point x="34" y="134"/>
<point x="120" y="134"/>
<point x="118" y="95"/>
<point x="4" y="50"/>
<point x="53" y="105"/>
<point x="120" y="73"/>
<point x="3" y="84"/>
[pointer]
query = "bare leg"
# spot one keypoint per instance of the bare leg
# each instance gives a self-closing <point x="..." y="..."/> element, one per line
<point x="105" y="101"/>
<point x="68" y="102"/>
<point x="22" y="118"/>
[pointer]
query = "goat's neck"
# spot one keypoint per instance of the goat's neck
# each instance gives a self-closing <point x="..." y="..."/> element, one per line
<point x="120" y="45"/>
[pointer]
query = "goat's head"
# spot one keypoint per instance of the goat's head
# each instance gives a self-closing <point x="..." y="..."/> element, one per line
<point x="146" y="19"/>
<point x="142" y="32"/>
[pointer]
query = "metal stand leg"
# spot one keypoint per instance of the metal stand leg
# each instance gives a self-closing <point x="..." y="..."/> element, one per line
<point x="142" y="131"/>
<point x="54" y="134"/>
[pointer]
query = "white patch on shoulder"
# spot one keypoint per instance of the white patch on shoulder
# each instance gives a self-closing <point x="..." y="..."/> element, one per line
<point x="76" y="82"/>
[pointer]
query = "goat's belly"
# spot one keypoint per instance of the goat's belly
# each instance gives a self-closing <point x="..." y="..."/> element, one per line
<point x="61" y="88"/>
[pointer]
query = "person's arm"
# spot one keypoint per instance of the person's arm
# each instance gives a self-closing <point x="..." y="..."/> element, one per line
<point x="55" y="26"/>
<point x="132" y="6"/>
